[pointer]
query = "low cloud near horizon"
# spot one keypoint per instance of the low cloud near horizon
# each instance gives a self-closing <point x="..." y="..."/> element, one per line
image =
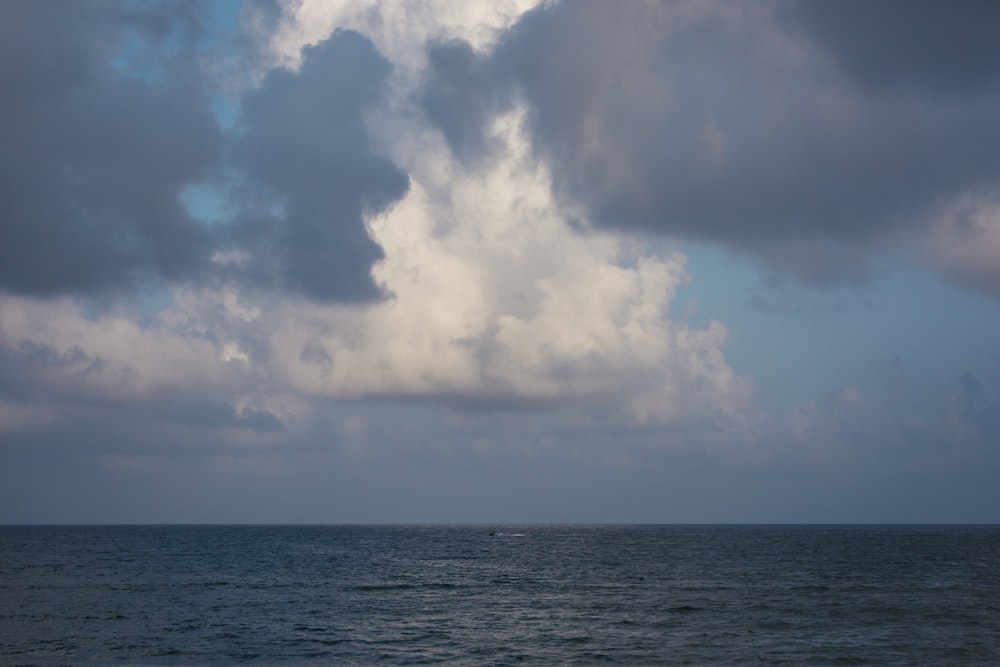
<point x="517" y="261"/>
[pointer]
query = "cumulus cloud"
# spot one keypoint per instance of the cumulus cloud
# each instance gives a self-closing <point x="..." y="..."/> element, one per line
<point x="310" y="172"/>
<point x="426" y="276"/>
<point x="756" y="125"/>
<point x="812" y="138"/>
<point x="494" y="298"/>
<point x="111" y="143"/>
<point x="360" y="258"/>
<point x="495" y="294"/>
<point x="964" y="240"/>
<point x="400" y="29"/>
<point x="94" y="159"/>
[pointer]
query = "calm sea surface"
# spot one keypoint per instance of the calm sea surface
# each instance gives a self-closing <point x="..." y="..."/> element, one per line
<point x="543" y="595"/>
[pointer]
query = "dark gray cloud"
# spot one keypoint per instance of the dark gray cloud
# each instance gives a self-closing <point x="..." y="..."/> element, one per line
<point x="939" y="47"/>
<point x="306" y="155"/>
<point x="93" y="159"/>
<point x="731" y="123"/>
<point x="107" y="119"/>
<point x="462" y="94"/>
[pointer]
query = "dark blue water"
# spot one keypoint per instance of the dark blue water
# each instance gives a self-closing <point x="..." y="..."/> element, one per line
<point x="526" y="595"/>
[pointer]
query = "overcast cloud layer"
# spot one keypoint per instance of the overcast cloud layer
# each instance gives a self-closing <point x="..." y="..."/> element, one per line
<point x="397" y="261"/>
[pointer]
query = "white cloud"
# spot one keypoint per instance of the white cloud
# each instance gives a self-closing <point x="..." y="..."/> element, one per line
<point x="494" y="296"/>
<point x="965" y="240"/>
<point x="112" y="357"/>
<point x="188" y="353"/>
<point x="399" y="28"/>
<point x="498" y="293"/>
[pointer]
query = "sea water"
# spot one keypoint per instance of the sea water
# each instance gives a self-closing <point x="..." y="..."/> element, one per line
<point x="500" y="595"/>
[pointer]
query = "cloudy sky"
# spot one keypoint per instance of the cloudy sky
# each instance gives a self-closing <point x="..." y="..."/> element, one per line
<point x="507" y="261"/>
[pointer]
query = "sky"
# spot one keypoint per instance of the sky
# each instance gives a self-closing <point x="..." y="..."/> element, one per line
<point x="517" y="261"/>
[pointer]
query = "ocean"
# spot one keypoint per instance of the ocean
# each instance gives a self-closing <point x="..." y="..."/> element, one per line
<point x="500" y="595"/>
